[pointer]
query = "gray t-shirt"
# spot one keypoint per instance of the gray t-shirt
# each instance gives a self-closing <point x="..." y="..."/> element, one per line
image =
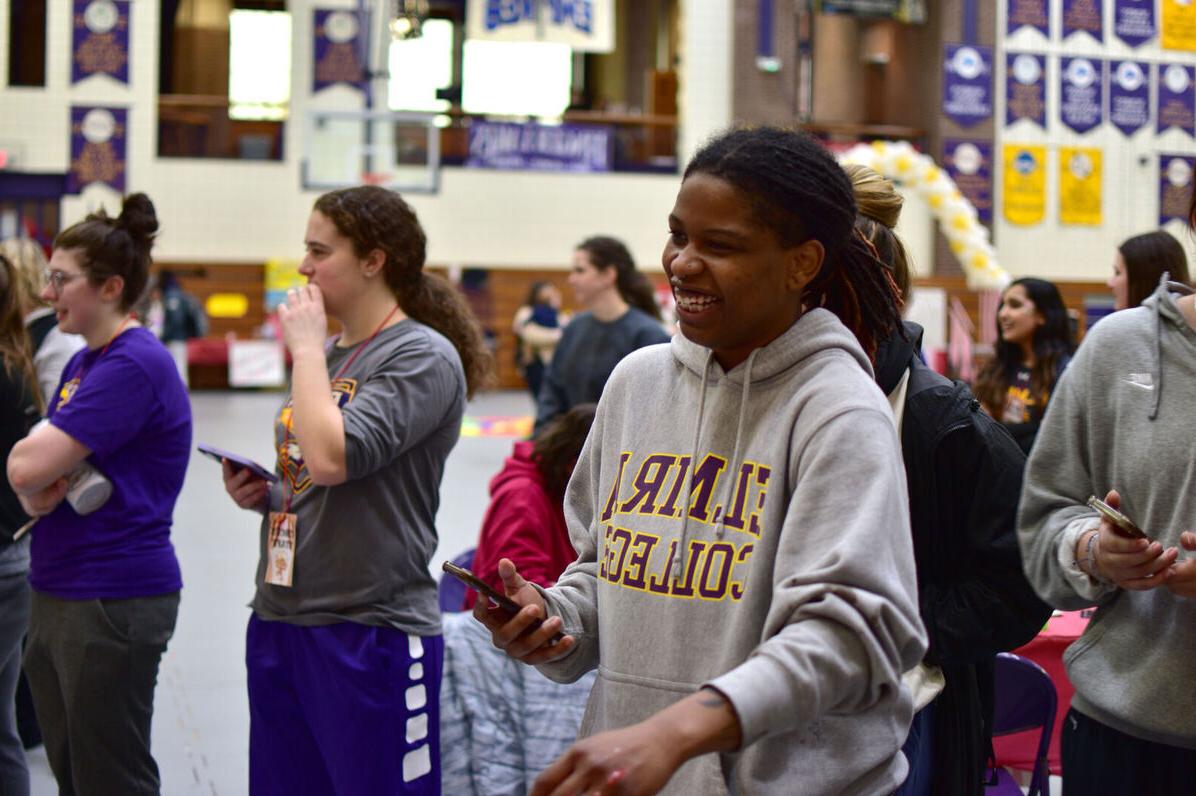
<point x="363" y="546"/>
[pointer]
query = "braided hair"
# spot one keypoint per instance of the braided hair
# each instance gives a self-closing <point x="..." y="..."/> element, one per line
<point x="800" y="192"/>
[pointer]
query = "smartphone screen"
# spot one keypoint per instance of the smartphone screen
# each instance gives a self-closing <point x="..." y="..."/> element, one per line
<point x="1124" y="523"/>
<point x="482" y="587"/>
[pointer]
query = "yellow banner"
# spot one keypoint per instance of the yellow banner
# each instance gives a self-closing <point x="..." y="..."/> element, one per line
<point x="1179" y="25"/>
<point x="1080" y="186"/>
<point x="1024" y="184"/>
<point x="281" y="276"/>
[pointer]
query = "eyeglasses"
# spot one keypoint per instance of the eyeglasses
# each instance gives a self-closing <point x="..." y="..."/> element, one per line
<point x="57" y="279"/>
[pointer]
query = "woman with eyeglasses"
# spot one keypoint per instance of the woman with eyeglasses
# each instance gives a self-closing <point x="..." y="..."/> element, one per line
<point x="105" y="583"/>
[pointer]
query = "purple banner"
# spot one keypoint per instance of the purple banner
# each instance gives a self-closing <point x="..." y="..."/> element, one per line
<point x="338" y="42"/>
<point x="970" y="164"/>
<point x="1028" y="13"/>
<point x="1025" y="88"/>
<point x="1175" y="187"/>
<point x="100" y="40"/>
<point x="1133" y="21"/>
<point x="967" y="84"/>
<point x="1129" y="96"/>
<point x="1083" y="16"/>
<point x="538" y="147"/>
<point x="1176" y="105"/>
<point x="1081" y="93"/>
<point x="98" y="148"/>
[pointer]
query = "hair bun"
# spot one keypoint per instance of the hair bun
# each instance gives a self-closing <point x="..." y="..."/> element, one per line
<point x="138" y="218"/>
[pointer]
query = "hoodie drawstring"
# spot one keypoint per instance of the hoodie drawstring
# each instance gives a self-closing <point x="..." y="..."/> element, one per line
<point x="733" y="473"/>
<point x="687" y="496"/>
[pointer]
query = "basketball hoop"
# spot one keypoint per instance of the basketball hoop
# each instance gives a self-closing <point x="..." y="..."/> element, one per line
<point x="376" y="178"/>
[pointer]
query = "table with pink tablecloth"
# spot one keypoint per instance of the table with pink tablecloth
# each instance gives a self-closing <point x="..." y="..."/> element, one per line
<point x="1046" y="649"/>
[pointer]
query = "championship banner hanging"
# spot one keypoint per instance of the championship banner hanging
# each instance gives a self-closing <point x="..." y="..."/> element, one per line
<point x="967" y="84"/>
<point x="1129" y="96"/>
<point x="584" y="25"/>
<point x="338" y="48"/>
<point x="1177" y="107"/>
<point x="1179" y="25"/>
<point x="1023" y="188"/>
<point x="1028" y="13"/>
<point x="559" y="147"/>
<point x="100" y="39"/>
<point x="1080" y="186"/>
<point x="1134" y="21"/>
<point x="1175" y="187"/>
<point x="1081" y="93"/>
<point x="970" y="166"/>
<point x="1083" y="16"/>
<point x="1025" y="88"/>
<point x="98" y="148"/>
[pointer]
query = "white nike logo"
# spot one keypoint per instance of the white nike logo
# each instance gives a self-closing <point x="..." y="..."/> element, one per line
<point x="1140" y="385"/>
<point x="1143" y="380"/>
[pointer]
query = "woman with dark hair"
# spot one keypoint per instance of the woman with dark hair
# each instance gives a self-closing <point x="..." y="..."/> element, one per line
<point x="20" y="406"/>
<point x="105" y="580"/>
<point x="620" y="316"/>
<point x="537" y="326"/>
<point x="1034" y="345"/>
<point x="525" y="521"/>
<point x="745" y="579"/>
<point x="343" y="648"/>
<point x="1140" y="263"/>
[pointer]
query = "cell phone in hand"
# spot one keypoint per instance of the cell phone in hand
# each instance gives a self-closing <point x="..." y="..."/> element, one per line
<point x="1119" y="520"/>
<point x="237" y="461"/>
<point x="482" y="587"/>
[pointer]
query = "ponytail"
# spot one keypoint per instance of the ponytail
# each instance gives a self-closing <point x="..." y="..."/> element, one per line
<point x="634" y="287"/>
<point x="860" y="290"/>
<point x="434" y="302"/>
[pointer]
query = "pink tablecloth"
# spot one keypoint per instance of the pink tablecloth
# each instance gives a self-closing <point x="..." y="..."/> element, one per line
<point x="1018" y="750"/>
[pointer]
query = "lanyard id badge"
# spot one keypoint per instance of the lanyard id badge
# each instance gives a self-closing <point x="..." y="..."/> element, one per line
<point x="280" y="549"/>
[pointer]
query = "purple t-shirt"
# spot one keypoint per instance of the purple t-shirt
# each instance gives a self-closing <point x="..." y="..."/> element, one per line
<point x="131" y="409"/>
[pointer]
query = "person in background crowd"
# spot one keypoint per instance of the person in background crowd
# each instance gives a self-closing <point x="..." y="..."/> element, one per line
<point x="20" y="407"/>
<point x="106" y="583"/>
<point x="345" y="629"/>
<point x="1119" y="428"/>
<point x="964" y="475"/>
<point x="1140" y="263"/>
<point x="1034" y="345"/>
<point x="538" y="325"/>
<point x="52" y="347"/>
<point x="745" y="579"/>
<point x="525" y="521"/>
<point x="172" y="314"/>
<point x="620" y="316"/>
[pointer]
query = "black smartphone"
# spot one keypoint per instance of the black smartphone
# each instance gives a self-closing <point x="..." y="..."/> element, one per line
<point x="482" y="587"/>
<point x="1124" y="523"/>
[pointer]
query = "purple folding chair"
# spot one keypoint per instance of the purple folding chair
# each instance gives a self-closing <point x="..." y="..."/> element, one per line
<point x="450" y="593"/>
<point x="1025" y="698"/>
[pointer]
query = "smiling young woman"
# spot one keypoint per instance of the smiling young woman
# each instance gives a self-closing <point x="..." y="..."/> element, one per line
<point x="745" y="580"/>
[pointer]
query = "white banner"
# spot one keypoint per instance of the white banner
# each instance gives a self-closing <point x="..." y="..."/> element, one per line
<point x="584" y="25"/>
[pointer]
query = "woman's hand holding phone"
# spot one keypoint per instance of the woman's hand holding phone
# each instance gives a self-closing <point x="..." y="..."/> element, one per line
<point x="1132" y="563"/>
<point x="246" y="489"/>
<point x="518" y="635"/>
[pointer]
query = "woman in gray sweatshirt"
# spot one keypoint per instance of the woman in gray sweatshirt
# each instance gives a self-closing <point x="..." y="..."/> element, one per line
<point x="745" y="580"/>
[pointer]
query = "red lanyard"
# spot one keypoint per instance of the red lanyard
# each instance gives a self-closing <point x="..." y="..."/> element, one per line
<point x="289" y="494"/>
<point x="83" y="370"/>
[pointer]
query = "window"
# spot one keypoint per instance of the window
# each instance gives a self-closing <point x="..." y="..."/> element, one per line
<point x="259" y="64"/>
<point x="27" y="42"/>
<point x="516" y="79"/>
<point x="418" y="67"/>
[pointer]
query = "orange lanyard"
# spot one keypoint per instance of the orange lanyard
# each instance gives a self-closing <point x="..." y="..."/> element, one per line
<point x="82" y="371"/>
<point x="289" y="494"/>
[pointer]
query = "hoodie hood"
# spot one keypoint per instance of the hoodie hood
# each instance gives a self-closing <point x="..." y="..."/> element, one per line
<point x="1162" y="304"/>
<point x="895" y="354"/>
<point x="517" y="467"/>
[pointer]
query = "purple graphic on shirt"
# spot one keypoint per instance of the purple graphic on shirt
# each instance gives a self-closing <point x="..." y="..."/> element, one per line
<point x="1129" y="96"/>
<point x="967" y="84"/>
<point x="1134" y="21"/>
<point x="1025" y="88"/>
<point x="1081" y="93"/>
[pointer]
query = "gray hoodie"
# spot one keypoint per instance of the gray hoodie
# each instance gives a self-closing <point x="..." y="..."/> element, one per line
<point x="1121" y="418"/>
<point x="788" y="586"/>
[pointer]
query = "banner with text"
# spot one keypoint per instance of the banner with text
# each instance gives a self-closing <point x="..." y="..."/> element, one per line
<point x="1175" y="187"/>
<point x="1028" y="13"/>
<point x="99" y="148"/>
<point x="1134" y="21"/>
<point x="1081" y="93"/>
<point x="537" y="147"/>
<point x="338" y="48"/>
<point x="1025" y="88"/>
<point x="970" y="165"/>
<point x="100" y="40"/>
<point x="584" y="25"/>
<point x="1129" y="96"/>
<point x="1083" y="16"/>
<point x="1080" y="186"/>
<point x="1177" y="106"/>
<point x="967" y="84"/>
<point x="1023" y="187"/>
<point x="1179" y="25"/>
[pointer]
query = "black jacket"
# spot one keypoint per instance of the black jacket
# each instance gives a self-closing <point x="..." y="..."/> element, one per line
<point x="964" y="473"/>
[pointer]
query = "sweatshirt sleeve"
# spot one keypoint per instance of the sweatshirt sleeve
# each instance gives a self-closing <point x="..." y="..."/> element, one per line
<point x="1053" y="511"/>
<point x="574" y="598"/>
<point x="843" y="624"/>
